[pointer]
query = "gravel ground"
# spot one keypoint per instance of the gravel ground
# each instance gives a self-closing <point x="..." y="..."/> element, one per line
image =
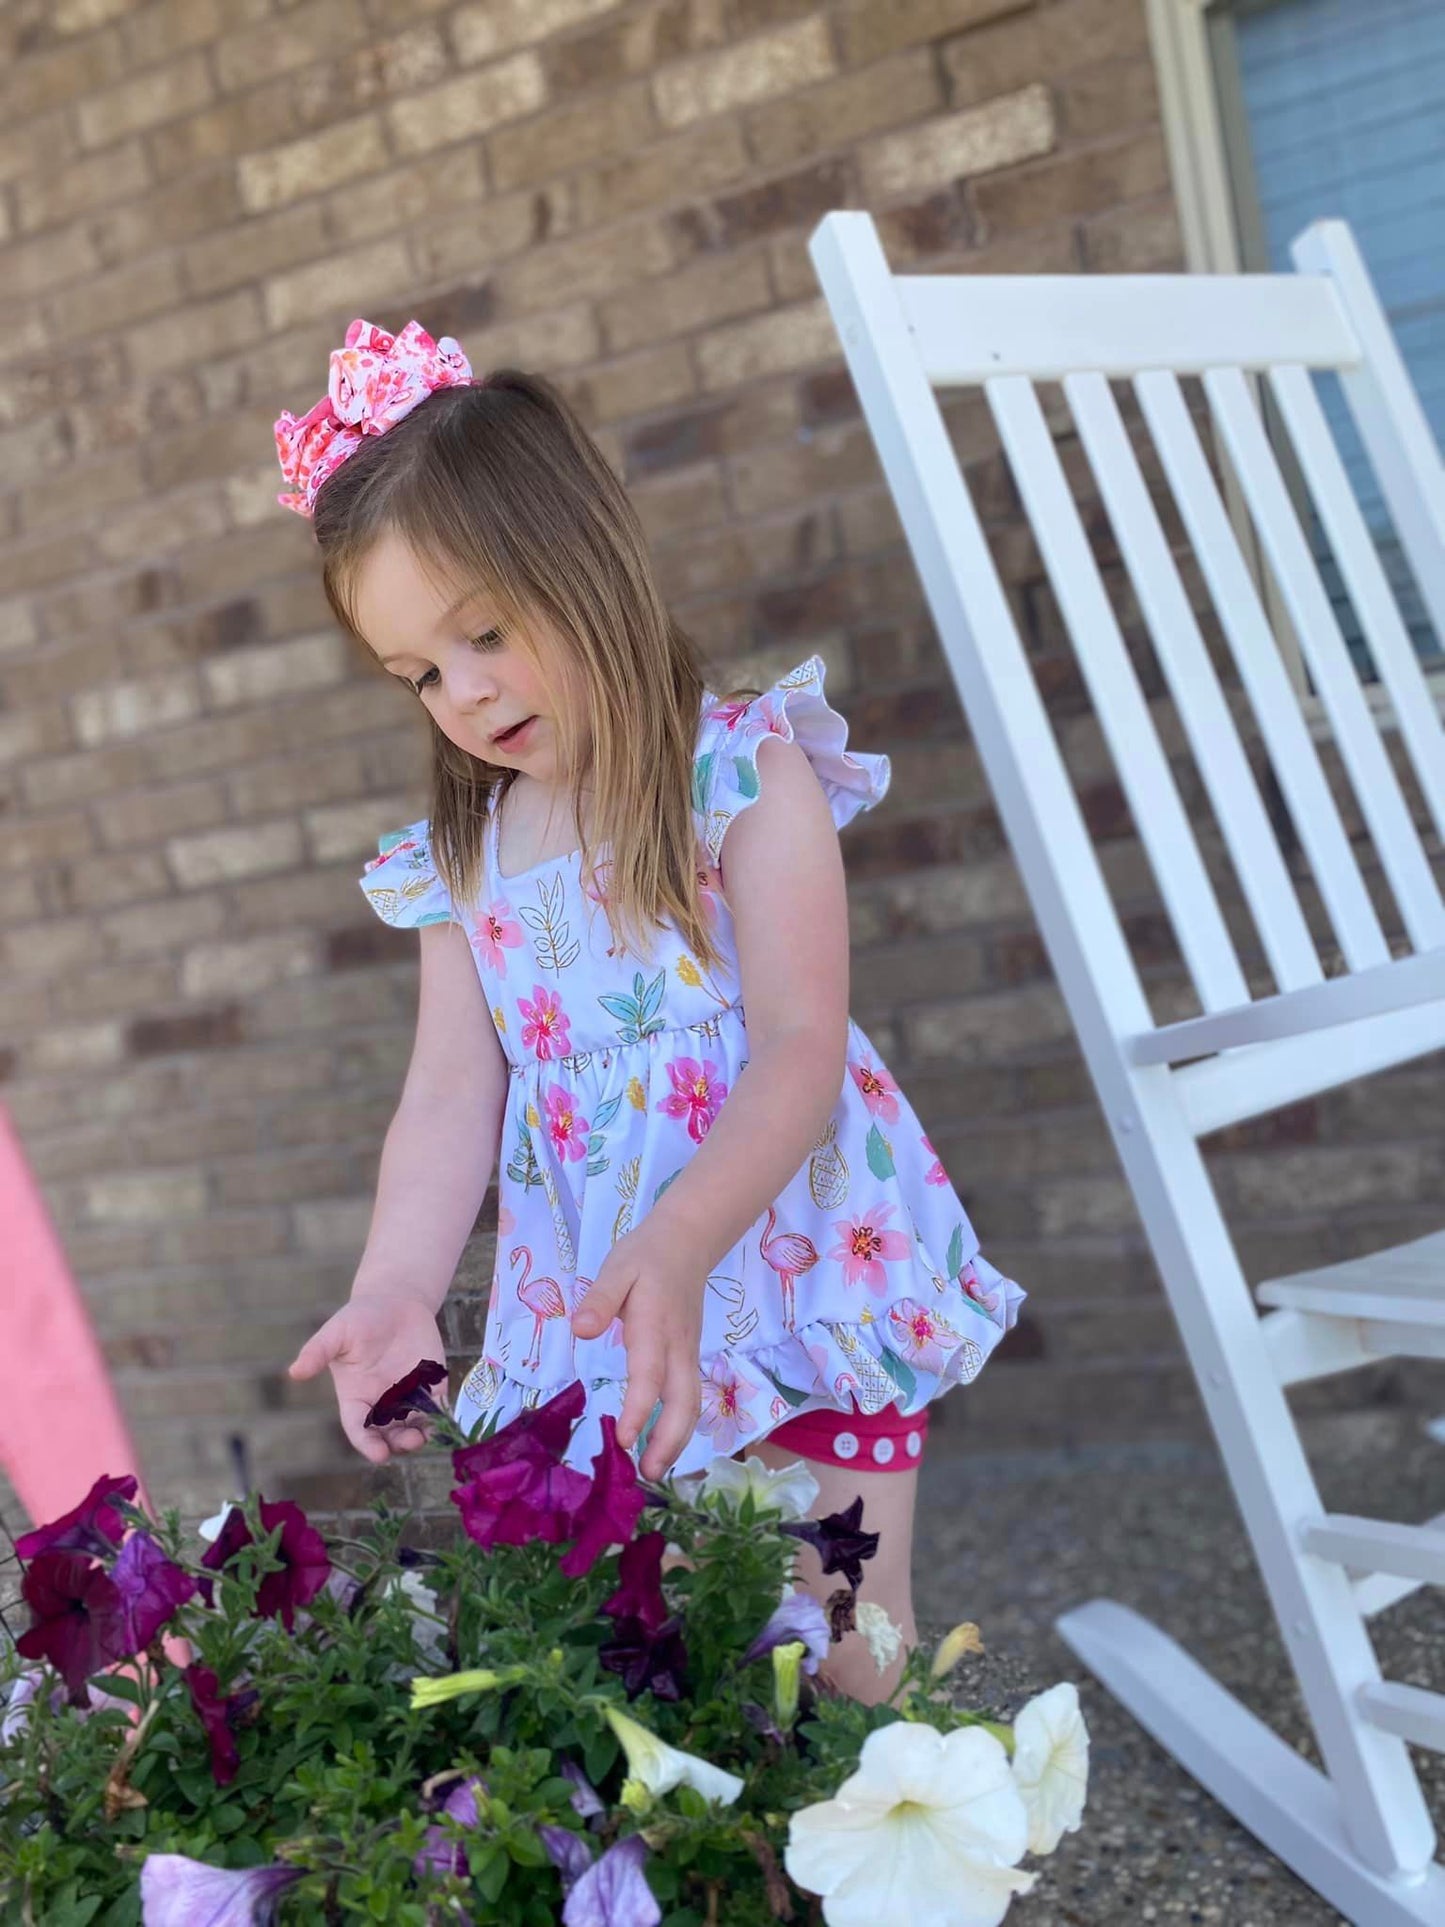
<point x="1012" y="1540"/>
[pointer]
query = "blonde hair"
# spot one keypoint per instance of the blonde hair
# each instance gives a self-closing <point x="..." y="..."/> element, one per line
<point x="497" y="484"/>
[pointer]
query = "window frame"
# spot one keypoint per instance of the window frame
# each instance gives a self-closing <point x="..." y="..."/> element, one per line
<point x="1209" y="162"/>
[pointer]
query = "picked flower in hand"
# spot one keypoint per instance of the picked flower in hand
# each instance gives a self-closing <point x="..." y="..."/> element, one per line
<point x="408" y="1395"/>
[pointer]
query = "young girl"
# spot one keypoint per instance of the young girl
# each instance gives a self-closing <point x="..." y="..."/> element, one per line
<point x="717" y="1210"/>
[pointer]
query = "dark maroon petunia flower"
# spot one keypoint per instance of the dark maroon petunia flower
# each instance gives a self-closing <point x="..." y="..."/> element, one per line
<point x="220" y="1714"/>
<point x="302" y="1550"/>
<point x="520" y="1501"/>
<point x="79" y="1623"/>
<point x="152" y="1589"/>
<point x="608" y="1515"/>
<point x="837" y="1540"/>
<point x="646" y="1658"/>
<point x="409" y="1395"/>
<point x="640" y="1594"/>
<point x="540" y="1437"/>
<point x="94" y="1526"/>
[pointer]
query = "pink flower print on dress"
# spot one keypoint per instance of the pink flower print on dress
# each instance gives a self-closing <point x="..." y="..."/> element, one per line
<point x="709" y="889"/>
<point x="697" y="1094"/>
<point x="935" y="1174"/>
<point x="497" y="933"/>
<point x="974" y="1288"/>
<point x="729" y="714"/>
<point x="568" y="1129"/>
<point x="919" y="1335"/>
<point x="880" y="1093"/>
<point x="545" y="1024"/>
<point x="726" y="1416"/>
<point x="865" y="1245"/>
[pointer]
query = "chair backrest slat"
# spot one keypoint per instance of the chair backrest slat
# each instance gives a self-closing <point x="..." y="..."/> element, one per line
<point x="1334" y="675"/>
<point x="1416" y="716"/>
<point x="1262" y="672"/>
<point x="1123" y="715"/>
<point x="1048" y="326"/>
<point x="1194" y="684"/>
<point x="1387" y="411"/>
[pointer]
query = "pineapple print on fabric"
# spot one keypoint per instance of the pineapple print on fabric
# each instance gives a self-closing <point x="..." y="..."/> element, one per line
<point x="862" y="1280"/>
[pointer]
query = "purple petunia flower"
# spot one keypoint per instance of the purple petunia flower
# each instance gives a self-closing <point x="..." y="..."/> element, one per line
<point x="583" y="1799"/>
<point x="799" y="1617"/>
<point x="94" y="1526"/>
<point x="614" y="1503"/>
<point x="839" y="1543"/>
<point x="302" y="1550"/>
<point x="647" y="1658"/>
<point x="569" y="1853"/>
<point x="614" y="1892"/>
<point x="408" y="1395"/>
<point x="152" y="1589"/>
<point x="79" y="1623"/>
<point x="178" y="1892"/>
<point x="441" y="1856"/>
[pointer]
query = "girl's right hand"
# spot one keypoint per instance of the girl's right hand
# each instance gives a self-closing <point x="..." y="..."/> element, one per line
<point x="369" y="1344"/>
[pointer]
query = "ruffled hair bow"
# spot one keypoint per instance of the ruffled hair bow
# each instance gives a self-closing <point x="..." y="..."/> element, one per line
<point x="375" y="380"/>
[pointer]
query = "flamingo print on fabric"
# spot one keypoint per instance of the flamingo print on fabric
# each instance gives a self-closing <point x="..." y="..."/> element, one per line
<point x="861" y="1280"/>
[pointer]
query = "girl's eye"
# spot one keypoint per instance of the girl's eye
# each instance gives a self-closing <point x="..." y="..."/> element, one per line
<point x="490" y="639"/>
<point x="423" y="682"/>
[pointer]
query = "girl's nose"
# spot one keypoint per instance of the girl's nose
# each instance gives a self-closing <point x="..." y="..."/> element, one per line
<point x="469" y="679"/>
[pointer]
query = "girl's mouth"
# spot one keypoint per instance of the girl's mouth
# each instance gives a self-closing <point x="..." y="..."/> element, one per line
<point x="514" y="737"/>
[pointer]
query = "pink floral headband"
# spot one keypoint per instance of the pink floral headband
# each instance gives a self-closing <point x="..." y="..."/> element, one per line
<point x="375" y="380"/>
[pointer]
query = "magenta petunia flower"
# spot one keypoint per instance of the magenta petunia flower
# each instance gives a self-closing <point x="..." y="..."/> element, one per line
<point x="540" y="1435"/>
<point x="497" y="933"/>
<point x="152" y="1589"/>
<point x="640" y="1593"/>
<point x="179" y="1892"/>
<point x="94" y="1526"/>
<point x="302" y="1550"/>
<point x="880" y="1093"/>
<point x="79" y="1619"/>
<point x="220" y="1714"/>
<point x="614" y="1502"/>
<point x="409" y="1394"/>
<point x="697" y="1095"/>
<point x="865" y="1245"/>
<point x="521" y="1501"/>
<point x="568" y="1128"/>
<point x="545" y="1025"/>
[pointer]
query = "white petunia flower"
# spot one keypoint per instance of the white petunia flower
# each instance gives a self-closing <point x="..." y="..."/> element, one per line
<point x="1051" y="1764"/>
<point x="211" y="1529"/>
<point x="790" y="1490"/>
<point x="427" y="1625"/>
<point x="657" y="1768"/>
<point x="883" y="1637"/>
<point x="928" y="1828"/>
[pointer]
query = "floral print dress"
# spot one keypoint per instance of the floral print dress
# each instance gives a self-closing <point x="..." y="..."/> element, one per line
<point x="861" y="1282"/>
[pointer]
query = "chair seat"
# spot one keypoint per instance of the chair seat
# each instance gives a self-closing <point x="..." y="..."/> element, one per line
<point x="1404" y="1284"/>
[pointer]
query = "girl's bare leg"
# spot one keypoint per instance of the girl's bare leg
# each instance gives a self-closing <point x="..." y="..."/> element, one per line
<point x="888" y="1504"/>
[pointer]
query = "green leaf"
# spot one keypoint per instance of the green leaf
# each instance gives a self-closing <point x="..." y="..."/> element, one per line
<point x="121" y="1687"/>
<point x="747" y="775"/>
<point x="901" y="1374"/>
<point x="880" y="1154"/>
<point x="954" y="1260"/>
<point x="702" y="781"/>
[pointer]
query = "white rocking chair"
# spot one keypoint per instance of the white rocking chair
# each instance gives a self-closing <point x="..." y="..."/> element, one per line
<point x="1359" y="1832"/>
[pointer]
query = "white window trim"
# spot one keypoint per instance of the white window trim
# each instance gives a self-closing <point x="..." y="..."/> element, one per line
<point x="1204" y="196"/>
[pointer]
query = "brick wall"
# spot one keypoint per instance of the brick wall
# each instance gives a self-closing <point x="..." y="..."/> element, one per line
<point x="203" y="1029"/>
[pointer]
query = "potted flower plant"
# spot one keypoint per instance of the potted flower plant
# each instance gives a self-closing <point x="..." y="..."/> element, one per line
<point x="604" y="1703"/>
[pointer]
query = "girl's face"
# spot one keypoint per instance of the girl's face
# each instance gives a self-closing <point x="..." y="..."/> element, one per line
<point x="483" y="687"/>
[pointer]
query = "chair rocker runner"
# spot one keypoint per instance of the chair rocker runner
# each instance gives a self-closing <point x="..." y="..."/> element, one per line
<point x="1358" y="1832"/>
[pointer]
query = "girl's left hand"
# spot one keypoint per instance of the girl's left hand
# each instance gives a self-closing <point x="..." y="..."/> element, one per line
<point x="658" y="1297"/>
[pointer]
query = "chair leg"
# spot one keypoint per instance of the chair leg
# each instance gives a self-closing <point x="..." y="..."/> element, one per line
<point x="1279" y="1797"/>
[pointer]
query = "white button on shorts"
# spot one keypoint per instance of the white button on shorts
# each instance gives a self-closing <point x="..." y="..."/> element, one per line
<point x="846" y="1445"/>
<point x="883" y="1451"/>
<point x="914" y="1444"/>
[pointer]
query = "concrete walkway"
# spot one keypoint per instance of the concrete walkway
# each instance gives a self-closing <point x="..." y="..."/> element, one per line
<point x="1012" y="1540"/>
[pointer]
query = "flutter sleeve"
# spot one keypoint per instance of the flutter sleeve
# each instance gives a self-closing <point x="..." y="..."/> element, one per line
<point x="725" y="777"/>
<point x="401" y="882"/>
